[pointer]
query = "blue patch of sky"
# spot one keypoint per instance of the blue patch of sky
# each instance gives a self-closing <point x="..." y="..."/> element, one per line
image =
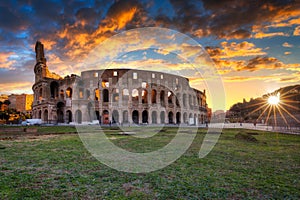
<point x="162" y="7"/>
<point x="26" y="9"/>
<point x="150" y="53"/>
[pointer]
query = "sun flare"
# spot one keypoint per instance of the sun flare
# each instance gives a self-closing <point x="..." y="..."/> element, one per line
<point x="274" y="100"/>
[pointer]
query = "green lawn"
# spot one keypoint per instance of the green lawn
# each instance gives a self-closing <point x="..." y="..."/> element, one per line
<point x="59" y="167"/>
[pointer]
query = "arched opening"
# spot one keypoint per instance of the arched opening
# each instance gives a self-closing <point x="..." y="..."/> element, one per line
<point x="80" y="90"/>
<point x="105" y="116"/>
<point x="61" y="94"/>
<point x="125" y="116"/>
<point x="105" y="95"/>
<point x="195" y="119"/>
<point x="115" y="117"/>
<point x="162" y="117"/>
<point x="46" y="116"/>
<point x="191" y="118"/>
<point x="98" y="116"/>
<point x="154" y="117"/>
<point x="145" y="116"/>
<point x="190" y="101"/>
<point x="170" y="116"/>
<point x="91" y="113"/>
<point x="135" y="96"/>
<point x="88" y="94"/>
<point x="125" y="97"/>
<point x="184" y="100"/>
<point x="54" y="89"/>
<point x="60" y="112"/>
<point x="153" y="96"/>
<point x="78" y="117"/>
<point x="178" y="116"/>
<point x="135" y="117"/>
<point x="145" y="96"/>
<point x="162" y="98"/>
<point x="97" y="94"/>
<point x="115" y="95"/>
<point x="69" y="92"/>
<point x="170" y="98"/>
<point x="202" y="119"/>
<point x="177" y="97"/>
<point x="41" y="94"/>
<point x="40" y="114"/>
<point x="185" y="117"/>
<point x="69" y="116"/>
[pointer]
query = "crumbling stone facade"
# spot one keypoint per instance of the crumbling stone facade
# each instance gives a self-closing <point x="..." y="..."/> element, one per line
<point x="121" y="96"/>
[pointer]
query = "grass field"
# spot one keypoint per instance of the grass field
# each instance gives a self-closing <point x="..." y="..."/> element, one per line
<point x="59" y="167"/>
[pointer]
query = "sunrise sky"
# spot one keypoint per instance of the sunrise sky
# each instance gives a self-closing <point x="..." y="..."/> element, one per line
<point x="255" y="45"/>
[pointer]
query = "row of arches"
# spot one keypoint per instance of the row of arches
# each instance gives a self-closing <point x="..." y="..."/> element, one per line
<point x="142" y="96"/>
<point x="120" y="117"/>
<point x="55" y="93"/>
<point x="144" y="117"/>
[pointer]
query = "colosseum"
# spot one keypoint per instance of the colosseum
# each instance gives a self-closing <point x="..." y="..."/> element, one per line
<point x="115" y="96"/>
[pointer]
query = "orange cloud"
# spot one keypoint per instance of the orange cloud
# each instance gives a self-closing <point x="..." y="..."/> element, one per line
<point x="16" y="87"/>
<point x="287" y="53"/>
<point x="5" y="63"/>
<point x="286" y="44"/>
<point x="243" y="49"/>
<point x="297" y="31"/>
<point x="261" y="35"/>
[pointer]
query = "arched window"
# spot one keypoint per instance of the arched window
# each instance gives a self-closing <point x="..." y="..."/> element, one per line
<point x="170" y="116"/>
<point x="78" y="117"/>
<point x="69" y="92"/>
<point x="115" y="117"/>
<point x="170" y="97"/>
<point x="145" y="116"/>
<point x="125" y="97"/>
<point x="135" y="96"/>
<point x="162" y="98"/>
<point x="162" y="117"/>
<point x="125" y="116"/>
<point x="153" y="96"/>
<point x="178" y="115"/>
<point x="54" y="89"/>
<point x="46" y="116"/>
<point x="41" y="94"/>
<point x="115" y="95"/>
<point x="135" y="116"/>
<point x="154" y="117"/>
<point x="144" y="96"/>
<point x="61" y="94"/>
<point x="105" y="95"/>
<point x="184" y="100"/>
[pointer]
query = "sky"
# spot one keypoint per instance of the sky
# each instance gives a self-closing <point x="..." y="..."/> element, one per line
<point x="253" y="45"/>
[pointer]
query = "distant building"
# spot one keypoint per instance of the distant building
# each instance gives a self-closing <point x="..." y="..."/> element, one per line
<point x="24" y="102"/>
<point x="21" y="102"/>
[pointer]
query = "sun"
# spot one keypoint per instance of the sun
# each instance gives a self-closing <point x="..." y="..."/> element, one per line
<point x="274" y="100"/>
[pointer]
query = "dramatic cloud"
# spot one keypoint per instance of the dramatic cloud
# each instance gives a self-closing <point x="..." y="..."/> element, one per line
<point x="230" y="50"/>
<point x="5" y="60"/>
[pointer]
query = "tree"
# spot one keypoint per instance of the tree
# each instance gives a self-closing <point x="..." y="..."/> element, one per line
<point x="7" y="102"/>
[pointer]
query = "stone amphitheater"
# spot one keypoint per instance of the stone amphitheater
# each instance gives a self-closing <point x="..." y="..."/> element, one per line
<point x="115" y="96"/>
